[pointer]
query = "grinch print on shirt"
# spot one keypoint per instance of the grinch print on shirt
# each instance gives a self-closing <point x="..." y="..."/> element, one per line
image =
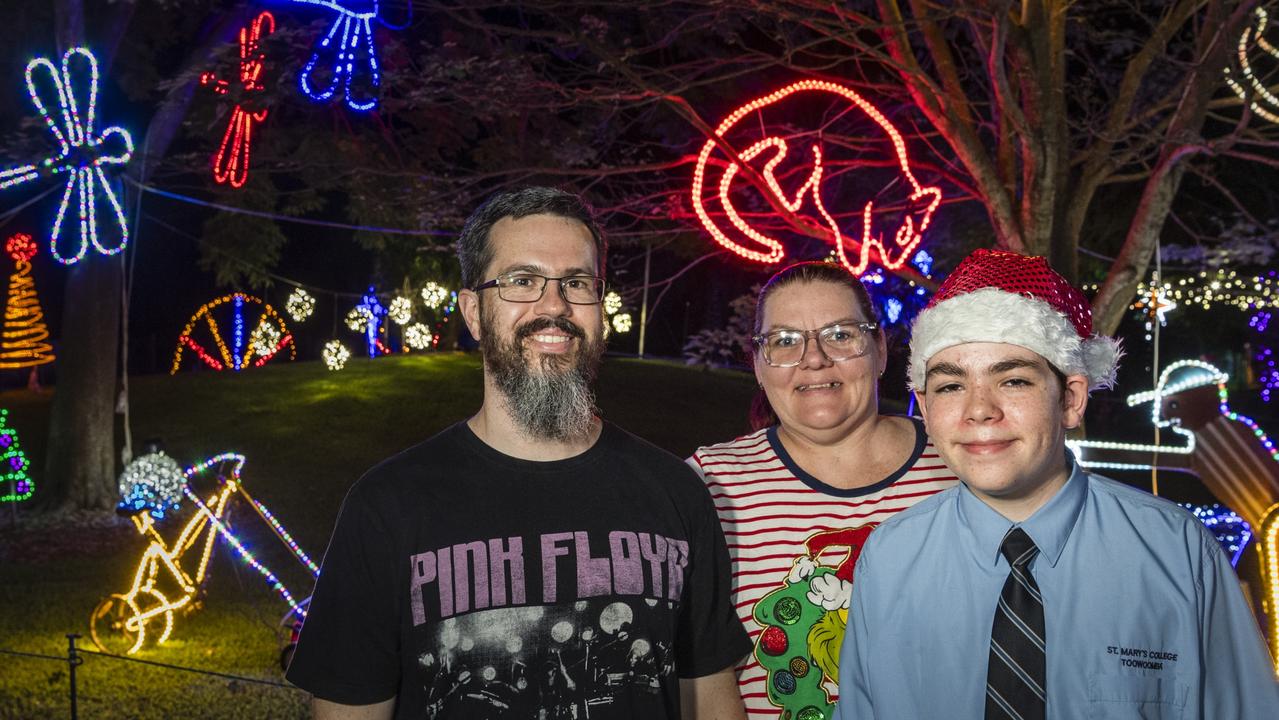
<point x="804" y="623"/>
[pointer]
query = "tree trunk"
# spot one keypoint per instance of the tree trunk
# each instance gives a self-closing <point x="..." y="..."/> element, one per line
<point x="80" y="468"/>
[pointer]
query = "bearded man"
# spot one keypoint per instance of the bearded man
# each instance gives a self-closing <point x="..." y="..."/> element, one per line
<point x="532" y="535"/>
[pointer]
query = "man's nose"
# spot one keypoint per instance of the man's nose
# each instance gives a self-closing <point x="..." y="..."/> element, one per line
<point x="552" y="301"/>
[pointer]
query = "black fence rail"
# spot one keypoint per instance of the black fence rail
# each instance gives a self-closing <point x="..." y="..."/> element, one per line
<point x="76" y="655"/>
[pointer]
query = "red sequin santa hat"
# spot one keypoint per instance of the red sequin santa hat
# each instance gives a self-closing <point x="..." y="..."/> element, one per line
<point x="1002" y="297"/>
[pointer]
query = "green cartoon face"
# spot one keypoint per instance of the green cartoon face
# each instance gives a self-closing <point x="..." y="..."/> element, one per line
<point x="799" y="649"/>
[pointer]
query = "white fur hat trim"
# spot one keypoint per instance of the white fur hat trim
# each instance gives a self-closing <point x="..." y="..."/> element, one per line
<point x="994" y="316"/>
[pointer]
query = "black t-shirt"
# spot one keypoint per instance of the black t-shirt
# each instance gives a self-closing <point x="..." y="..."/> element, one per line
<point x="471" y="584"/>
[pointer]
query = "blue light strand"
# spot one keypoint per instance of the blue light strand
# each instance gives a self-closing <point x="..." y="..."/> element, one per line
<point x="1231" y="531"/>
<point x="1268" y="377"/>
<point x="81" y="156"/>
<point x="376" y="311"/>
<point x="923" y="261"/>
<point x="244" y="553"/>
<point x="238" y="464"/>
<point x="287" y="219"/>
<point x="237" y="352"/>
<point x="354" y="22"/>
<point x="892" y="310"/>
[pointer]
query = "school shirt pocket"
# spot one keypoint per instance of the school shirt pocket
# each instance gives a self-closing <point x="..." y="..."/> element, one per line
<point x="1134" y="697"/>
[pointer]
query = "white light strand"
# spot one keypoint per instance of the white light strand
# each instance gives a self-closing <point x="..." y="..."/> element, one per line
<point x="400" y="310"/>
<point x="300" y="305"/>
<point x="335" y="355"/>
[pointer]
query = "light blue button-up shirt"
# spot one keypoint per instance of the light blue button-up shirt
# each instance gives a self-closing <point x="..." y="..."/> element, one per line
<point x="1144" y="615"/>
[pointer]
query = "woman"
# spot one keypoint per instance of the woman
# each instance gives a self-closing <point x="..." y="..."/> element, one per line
<point x="798" y="496"/>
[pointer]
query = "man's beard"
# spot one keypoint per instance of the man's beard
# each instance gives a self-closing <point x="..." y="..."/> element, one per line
<point x="556" y="401"/>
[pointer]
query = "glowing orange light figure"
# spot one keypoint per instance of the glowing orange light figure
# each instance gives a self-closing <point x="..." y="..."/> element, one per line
<point x="906" y="238"/>
<point x="231" y="163"/>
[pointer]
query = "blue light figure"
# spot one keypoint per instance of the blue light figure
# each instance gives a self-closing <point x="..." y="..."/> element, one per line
<point x="347" y="52"/>
<point x="377" y="311"/>
<point x="923" y="261"/>
<point x="1231" y="531"/>
<point x="892" y="310"/>
<point x="82" y="156"/>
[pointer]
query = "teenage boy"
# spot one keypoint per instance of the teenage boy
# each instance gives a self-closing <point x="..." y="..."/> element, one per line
<point x="1035" y="589"/>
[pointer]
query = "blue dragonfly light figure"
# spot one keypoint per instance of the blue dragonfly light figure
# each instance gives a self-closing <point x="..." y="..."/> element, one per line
<point x="82" y="155"/>
<point x="346" y="55"/>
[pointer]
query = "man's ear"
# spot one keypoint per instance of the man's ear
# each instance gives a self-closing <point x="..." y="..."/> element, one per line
<point x="1074" y="400"/>
<point x="469" y="302"/>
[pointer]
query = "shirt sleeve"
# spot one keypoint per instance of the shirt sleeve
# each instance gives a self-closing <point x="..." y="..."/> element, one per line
<point x="1239" y="675"/>
<point x="854" y="680"/>
<point x="348" y="651"/>
<point x="711" y="637"/>
<point x="696" y="464"/>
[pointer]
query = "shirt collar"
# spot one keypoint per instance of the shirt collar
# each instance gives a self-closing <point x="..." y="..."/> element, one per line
<point x="1049" y="527"/>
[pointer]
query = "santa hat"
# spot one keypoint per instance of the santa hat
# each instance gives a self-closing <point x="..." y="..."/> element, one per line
<point x="1002" y="297"/>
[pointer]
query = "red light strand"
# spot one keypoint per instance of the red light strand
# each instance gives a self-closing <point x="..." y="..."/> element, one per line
<point x="907" y="237"/>
<point x="231" y="162"/>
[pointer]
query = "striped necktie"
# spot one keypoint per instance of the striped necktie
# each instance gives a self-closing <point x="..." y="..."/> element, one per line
<point x="1015" y="677"/>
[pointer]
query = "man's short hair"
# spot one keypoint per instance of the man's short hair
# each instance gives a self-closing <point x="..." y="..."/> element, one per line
<point x="473" y="249"/>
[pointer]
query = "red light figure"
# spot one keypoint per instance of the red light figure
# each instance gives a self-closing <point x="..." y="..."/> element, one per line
<point x="739" y="234"/>
<point x="231" y="163"/>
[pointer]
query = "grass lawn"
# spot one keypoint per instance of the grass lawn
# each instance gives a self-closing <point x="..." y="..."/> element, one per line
<point x="307" y="435"/>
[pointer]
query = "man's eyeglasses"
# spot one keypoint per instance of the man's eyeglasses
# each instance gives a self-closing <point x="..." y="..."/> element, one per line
<point x="526" y="287"/>
<point x="786" y="348"/>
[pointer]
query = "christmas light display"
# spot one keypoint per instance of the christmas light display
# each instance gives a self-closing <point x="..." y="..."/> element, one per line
<point x="434" y="295"/>
<point x="152" y="483"/>
<point x="335" y="355"/>
<point x="1268" y="377"/>
<point x="923" y="262"/>
<point x="612" y="302"/>
<point x="1155" y="305"/>
<point x="23" y="340"/>
<point x="1231" y="531"/>
<point x="231" y="162"/>
<point x="1208" y="374"/>
<point x="347" y="52"/>
<point x="400" y="310"/>
<point x="906" y="238"/>
<point x="1239" y="465"/>
<point x="358" y="318"/>
<point x="1205" y="290"/>
<point x="892" y="310"/>
<point x="300" y="305"/>
<point x="1270" y="567"/>
<point x="622" y="322"/>
<point x="265" y="340"/>
<point x="1260" y="99"/>
<point x="373" y="311"/>
<point x="15" y="483"/>
<point x="239" y="355"/>
<point x="82" y="154"/>
<point x="162" y="585"/>
<point x="418" y="336"/>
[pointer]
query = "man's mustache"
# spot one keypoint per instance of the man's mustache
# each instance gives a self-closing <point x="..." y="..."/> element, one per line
<point x="562" y="324"/>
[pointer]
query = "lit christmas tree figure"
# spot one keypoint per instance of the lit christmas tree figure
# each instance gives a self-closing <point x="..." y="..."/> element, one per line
<point x="23" y="341"/>
<point x="14" y="481"/>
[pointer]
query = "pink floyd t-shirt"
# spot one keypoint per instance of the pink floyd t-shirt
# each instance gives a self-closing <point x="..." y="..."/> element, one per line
<point x="469" y="584"/>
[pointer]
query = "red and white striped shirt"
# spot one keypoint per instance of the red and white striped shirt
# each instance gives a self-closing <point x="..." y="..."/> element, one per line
<point x="794" y="541"/>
